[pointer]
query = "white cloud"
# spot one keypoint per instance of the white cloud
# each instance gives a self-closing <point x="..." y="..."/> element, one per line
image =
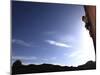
<point x="75" y="54"/>
<point x="59" y="44"/>
<point x="24" y="58"/>
<point x="49" y="59"/>
<point x="66" y="54"/>
<point x="21" y="42"/>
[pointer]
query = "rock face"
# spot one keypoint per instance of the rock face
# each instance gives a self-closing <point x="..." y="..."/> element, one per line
<point x="90" y="13"/>
<point x="19" y="68"/>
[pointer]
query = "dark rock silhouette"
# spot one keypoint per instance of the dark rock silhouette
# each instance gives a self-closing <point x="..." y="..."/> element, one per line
<point x="19" y="68"/>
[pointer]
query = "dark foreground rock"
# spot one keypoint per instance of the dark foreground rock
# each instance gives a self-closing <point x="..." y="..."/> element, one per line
<point x="19" y="68"/>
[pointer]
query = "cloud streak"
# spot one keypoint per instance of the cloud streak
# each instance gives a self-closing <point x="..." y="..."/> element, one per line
<point x="24" y="58"/>
<point x="75" y="54"/>
<point x="49" y="59"/>
<point x="21" y="42"/>
<point x="59" y="44"/>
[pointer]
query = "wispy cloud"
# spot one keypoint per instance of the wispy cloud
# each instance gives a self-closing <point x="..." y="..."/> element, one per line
<point x="24" y="58"/>
<point x="79" y="54"/>
<point x="49" y="59"/>
<point x="53" y="58"/>
<point x="75" y="54"/>
<point x="50" y="32"/>
<point x="66" y="54"/>
<point x="67" y="38"/>
<point x="59" y="44"/>
<point x="21" y="42"/>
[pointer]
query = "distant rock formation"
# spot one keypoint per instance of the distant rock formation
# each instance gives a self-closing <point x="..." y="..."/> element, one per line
<point x="19" y="68"/>
<point x="90" y="22"/>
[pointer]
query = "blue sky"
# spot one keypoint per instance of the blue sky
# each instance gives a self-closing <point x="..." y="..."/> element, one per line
<point x="50" y="33"/>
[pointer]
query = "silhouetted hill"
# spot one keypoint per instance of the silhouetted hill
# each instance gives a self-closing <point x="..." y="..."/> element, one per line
<point x="19" y="68"/>
<point x="88" y="65"/>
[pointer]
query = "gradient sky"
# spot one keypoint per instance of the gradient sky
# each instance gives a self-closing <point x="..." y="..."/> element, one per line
<point x="50" y="33"/>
